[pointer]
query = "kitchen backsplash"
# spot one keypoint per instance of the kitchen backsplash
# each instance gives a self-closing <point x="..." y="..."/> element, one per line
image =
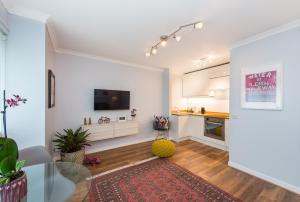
<point x="210" y="104"/>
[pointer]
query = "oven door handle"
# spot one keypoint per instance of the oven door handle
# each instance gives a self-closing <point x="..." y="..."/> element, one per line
<point x="213" y="123"/>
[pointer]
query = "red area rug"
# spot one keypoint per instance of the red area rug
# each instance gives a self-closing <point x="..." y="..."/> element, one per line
<point x="155" y="180"/>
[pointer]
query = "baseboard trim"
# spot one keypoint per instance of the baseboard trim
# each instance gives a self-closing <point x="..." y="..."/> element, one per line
<point x="94" y="150"/>
<point x="180" y="139"/>
<point x="265" y="177"/>
<point x="212" y="144"/>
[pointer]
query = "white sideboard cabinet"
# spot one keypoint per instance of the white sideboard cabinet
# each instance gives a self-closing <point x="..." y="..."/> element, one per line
<point x="111" y="130"/>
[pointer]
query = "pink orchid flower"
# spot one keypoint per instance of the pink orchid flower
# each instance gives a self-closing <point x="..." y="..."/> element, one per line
<point x="14" y="102"/>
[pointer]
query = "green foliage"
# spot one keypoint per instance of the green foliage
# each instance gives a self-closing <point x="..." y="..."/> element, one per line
<point x="10" y="167"/>
<point x="8" y="164"/>
<point x="71" y="141"/>
<point x="8" y="147"/>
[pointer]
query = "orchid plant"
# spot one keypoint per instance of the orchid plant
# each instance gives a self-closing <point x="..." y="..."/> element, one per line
<point x="10" y="166"/>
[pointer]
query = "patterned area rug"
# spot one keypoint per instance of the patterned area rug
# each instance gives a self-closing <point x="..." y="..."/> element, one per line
<point x="155" y="180"/>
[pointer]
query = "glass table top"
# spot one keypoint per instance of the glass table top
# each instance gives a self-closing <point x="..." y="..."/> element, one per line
<point x="57" y="182"/>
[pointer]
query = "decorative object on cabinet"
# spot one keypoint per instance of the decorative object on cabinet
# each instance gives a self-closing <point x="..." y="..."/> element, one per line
<point x="90" y="121"/>
<point x="133" y="113"/>
<point x="51" y="89"/>
<point x="84" y="121"/>
<point x="72" y="144"/>
<point x="261" y="88"/>
<point x="202" y="110"/>
<point x="161" y="125"/>
<point x="122" y="118"/>
<point x="163" y="148"/>
<point x="103" y="120"/>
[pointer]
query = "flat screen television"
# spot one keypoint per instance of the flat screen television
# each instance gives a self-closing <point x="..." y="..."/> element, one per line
<point x="111" y="99"/>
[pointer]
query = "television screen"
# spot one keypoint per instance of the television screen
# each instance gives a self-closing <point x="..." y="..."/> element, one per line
<point x="111" y="99"/>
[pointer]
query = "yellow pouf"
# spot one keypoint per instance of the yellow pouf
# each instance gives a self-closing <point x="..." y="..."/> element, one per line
<point x="163" y="148"/>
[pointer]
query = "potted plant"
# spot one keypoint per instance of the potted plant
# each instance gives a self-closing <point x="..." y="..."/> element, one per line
<point x="13" y="181"/>
<point x="72" y="144"/>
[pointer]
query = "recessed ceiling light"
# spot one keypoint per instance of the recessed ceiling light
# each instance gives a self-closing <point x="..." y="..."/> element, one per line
<point x="148" y="54"/>
<point x="199" y="25"/>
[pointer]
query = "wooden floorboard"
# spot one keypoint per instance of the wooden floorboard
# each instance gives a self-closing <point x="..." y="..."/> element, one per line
<point x="205" y="161"/>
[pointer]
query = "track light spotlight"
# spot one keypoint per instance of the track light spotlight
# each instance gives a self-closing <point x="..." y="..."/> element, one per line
<point x="154" y="51"/>
<point x="163" y="40"/>
<point x="177" y="38"/>
<point x="163" y="43"/>
<point x="198" y="25"/>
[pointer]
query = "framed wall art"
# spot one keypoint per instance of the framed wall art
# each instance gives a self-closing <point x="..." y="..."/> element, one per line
<point x="51" y="89"/>
<point x="261" y="87"/>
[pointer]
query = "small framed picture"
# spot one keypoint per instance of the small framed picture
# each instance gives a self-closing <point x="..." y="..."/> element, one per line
<point x="261" y="87"/>
<point x="51" y="89"/>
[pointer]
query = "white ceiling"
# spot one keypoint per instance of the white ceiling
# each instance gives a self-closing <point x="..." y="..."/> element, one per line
<point x="125" y="29"/>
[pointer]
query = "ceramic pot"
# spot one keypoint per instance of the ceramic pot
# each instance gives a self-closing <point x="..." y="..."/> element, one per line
<point x="76" y="157"/>
<point x="14" y="191"/>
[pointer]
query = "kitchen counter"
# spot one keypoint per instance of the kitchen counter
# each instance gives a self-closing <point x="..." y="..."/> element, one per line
<point x="206" y="114"/>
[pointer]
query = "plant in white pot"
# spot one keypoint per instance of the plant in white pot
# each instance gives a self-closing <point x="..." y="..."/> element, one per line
<point x="72" y="144"/>
<point x="13" y="181"/>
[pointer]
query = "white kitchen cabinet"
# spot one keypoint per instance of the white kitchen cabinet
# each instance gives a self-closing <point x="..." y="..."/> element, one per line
<point x="111" y="130"/>
<point x="227" y="136"/>
<point x="179" y="127"/>
<point x="219" y="78"/>
<point x="195" y="84"/>
<point x="201" y="83"/>
<point x="196" y="126"/>
<point x="183" y="127"/>
<point x="221" y="83"/>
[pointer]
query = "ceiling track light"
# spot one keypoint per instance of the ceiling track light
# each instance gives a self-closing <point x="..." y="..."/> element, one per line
<point x="177" y="38"/>
<point x="164" y="38"/>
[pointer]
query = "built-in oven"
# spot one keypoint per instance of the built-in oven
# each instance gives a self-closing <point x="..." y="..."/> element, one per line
<point x="214" y="128"/>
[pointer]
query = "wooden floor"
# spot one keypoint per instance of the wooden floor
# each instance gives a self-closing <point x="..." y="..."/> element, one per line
<point x="204" y="161"/>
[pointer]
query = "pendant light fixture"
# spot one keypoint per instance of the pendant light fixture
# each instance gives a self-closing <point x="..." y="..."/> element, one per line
<point x="164" y="38"/>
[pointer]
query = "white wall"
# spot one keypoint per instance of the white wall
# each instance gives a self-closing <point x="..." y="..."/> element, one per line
<point x="3" y="17"/>
<point x="50" y="112"/>
<point x="76" y="79"/>
<point x="216" y="104"/>
<point x="25" y="74"/>
<point x="268" y="142"/>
